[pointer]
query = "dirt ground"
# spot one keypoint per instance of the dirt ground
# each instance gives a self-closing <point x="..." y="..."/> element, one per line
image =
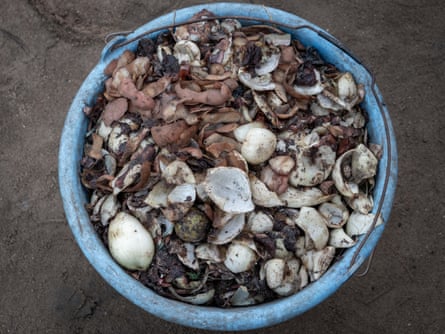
<point x="47" y="47"/>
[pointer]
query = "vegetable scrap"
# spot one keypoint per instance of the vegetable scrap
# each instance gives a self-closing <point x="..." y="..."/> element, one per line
<point x="228" y="165"/>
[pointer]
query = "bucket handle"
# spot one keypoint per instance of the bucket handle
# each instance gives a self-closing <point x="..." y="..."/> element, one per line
<point x="334" y="42"/>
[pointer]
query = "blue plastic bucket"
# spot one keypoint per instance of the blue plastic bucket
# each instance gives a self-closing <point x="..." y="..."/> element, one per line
<point x="212" y="318"/>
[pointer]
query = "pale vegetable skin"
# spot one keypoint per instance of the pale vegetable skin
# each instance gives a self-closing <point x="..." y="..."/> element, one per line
<point x="229" y="231"/>
<point x="138" y="67"/>
<point x="283" y="276"/>
<point x="318" y="261"/>
<point x="178" y="172"/>
<point x="209" y="252"/>
<point x="359" y="223"/>
<point x="240" y="132"/>
<point x="125" y="58"/>
<point x="259" y="145"/>
<point x="363" y="165"/>
<point x="291" y="280"/>
<point x="116" y="137"/>
<point x="311" y="90"/>
<point x="126" y="177"/>
<point x="258" y="83"/>
<point x="198" y="299"/>
<point x="118" y="76"/>
<point x="304" y="277"/>
<point x="262" y="195"/>
<point x="269" y="65"/>
<point x="241" y="297"/>
<point x="297" y="198"/>
<point x="239" y="258"/>
<point x="274" y="181"/>
<point x="109" y="209"/>
<point x="228" y="188"/>
<point x="314" y="225"/>
<point x="278" y="39"/>
<point x="274" y="272"/>
<point x="187" y="52"/>
<point x="103" y="130"/>
<point x="130" y="243"/>
<point x="347" y="89"/>
<point x="266" y="108"/>
<point x="339" y="239"/>
<point x="336" y="215"/>
<point x="348" y="94"/>
<point x="183" y="193"/>
<point x="282" y="164"/>
<point x="259" y="222"/>
<point x="158" y="196"/>
<point x="189" y="259"/>
<point x="311" y="170"/>
<point x="362" y="203"/>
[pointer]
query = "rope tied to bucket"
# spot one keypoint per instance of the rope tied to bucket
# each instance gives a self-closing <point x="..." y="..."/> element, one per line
<point x="332" y="41"/>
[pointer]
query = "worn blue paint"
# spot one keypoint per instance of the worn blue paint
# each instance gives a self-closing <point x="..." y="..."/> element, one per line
<point x="74" y="196"/>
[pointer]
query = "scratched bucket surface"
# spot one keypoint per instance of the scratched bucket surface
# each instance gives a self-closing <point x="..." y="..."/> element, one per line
<point x="241" y="318"/>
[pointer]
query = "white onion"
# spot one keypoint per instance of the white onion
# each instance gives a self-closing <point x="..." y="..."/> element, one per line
<point x="130" y="243"/>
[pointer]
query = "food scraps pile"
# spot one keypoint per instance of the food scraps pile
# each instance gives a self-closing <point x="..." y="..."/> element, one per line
<point x="228" y="165"/>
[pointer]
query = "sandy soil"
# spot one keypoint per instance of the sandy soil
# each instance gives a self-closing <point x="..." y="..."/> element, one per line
<point x="47" y="47"/>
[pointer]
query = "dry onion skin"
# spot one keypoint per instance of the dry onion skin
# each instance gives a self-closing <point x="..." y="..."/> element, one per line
<point x="239" y="154"/>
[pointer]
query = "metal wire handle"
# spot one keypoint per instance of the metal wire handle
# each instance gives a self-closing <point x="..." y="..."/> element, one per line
<point x="108" y="37"/>
<point x="337" y="44"/>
